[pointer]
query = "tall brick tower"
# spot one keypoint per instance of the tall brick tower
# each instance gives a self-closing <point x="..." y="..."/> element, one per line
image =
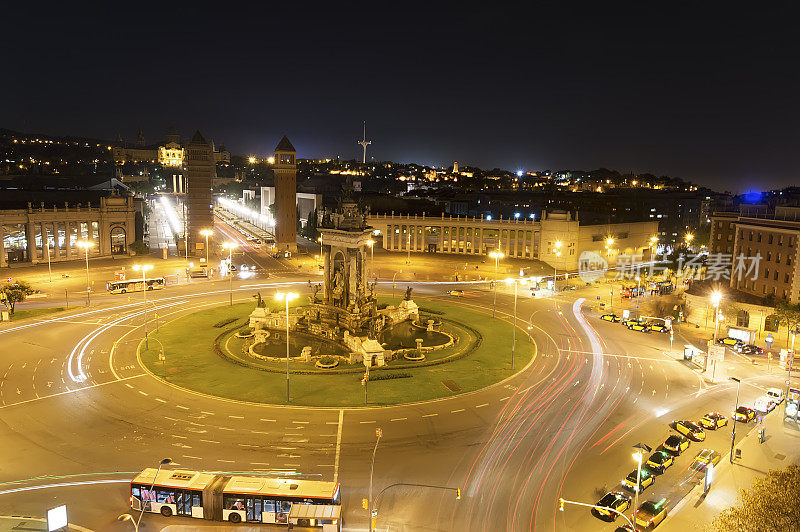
<point x="200" y="212"/>
<point x="285" y="170"/>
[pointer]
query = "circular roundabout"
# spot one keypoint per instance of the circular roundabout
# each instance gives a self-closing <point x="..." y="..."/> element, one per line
<point x="217" y="352"/>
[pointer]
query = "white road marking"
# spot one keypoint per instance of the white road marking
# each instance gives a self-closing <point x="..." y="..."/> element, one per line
<point x="160" y="400"/>
<point x="236" y="417"/>
<point x="209" y="441"/>
<point x="456" y="411"/>
<point x="302" y="422"/>
<point x="143" y="393"/>
<point x="481" y="406"/>
<point x="182" y="407"/>
<point x="178" y="436"/>
<point x="338" y="446"/>
<point x="372" y="421"/>
<point x="195" y="457"/>
<point x="398" y="419"/>
<point x="429" y="415"/>
<point x="268" y="420"/>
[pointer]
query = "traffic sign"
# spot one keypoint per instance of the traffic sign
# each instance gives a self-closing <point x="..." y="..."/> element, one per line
<point x="769" y="339"/>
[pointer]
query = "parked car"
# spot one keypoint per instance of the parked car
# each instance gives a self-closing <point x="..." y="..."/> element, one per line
<point x="764" y="404"/>
<point x="659" y="327"/>
<point x="615" y="500"/>
<point x="728" y="341"/>
<point x="676" y="444"/>
<point x="744" y="414"/>
<point x="659" y="461"/>
<point x="705" y="457"/>
<point x="749" y="349"/>
<point x="651" y="513"/>
<point x="637" y="326"/>
<point x="713" y="421"/>
<point x="691" y="430"/>
<point x="646" y="479"/>
<point x="613" y="318"/>
<point x="776" y="394"/>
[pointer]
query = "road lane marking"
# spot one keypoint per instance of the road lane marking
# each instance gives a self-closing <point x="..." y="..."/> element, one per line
<point x="429" y="415"/>
<point x="160" y="400"/>
<point x="209" y="441"/>
<point x="182" y="407"/>
<point x="268" y="420"/>
<point x="398" y="419"/>
<point x="338" y="447"/>
<point x="178" y="436"/>
<point x="70" y="391"/>
<point x="365" y="422"/>
<point x="195" y="457"/>
<point x="456" y="411"/>
<point x="226" y="461"/>
<point x="259" y="432"/>
<point x="481" y="406"/>
<point x="236" y="417"/>
<point x="302" y="422"/>
<point x="143" y="393"/>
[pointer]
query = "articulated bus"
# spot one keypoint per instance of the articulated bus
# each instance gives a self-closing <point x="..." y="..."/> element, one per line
<point x="237" y="499"/>
<point x="135" y="285"/>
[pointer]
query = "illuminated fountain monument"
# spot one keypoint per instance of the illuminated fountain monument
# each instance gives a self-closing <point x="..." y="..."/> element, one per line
<point x="343" y="307"/>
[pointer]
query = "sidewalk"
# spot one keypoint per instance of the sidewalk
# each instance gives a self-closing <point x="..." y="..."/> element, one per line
<point x="780" y="449"/>
<point x="15" y="523"/>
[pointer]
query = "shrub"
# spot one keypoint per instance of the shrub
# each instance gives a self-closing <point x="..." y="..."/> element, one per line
<point x="389" y="376"/>
<point x="430" y="311"/>
<point x="223" y="323"/>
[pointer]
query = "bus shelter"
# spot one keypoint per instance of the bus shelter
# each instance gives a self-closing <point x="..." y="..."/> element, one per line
<point x="327" y="516"/>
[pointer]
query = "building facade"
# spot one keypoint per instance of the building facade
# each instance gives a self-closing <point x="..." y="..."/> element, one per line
<point x="517" y="238"/>
<point x="36" y="234"/>
<point x="773" y="237"/>
<point x="200" y="213"/>
<point x="285" y="170"/>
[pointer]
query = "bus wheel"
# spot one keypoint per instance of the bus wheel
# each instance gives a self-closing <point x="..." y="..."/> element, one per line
<point x="235" y="518"/>
<point x="124" y="291"/>
<point x="303" y="522"/>
<point x="166" y="511"/>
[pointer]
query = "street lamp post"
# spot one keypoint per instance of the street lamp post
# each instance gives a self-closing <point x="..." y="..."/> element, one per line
<point x="496" y="255"/>
<point x="229" y="246"/>
<point x="372" y="520"/>
<point x="207" y="233"/>
<point x="85" y="244"/>
<point x="144" y="268"/>
<point x="288" y="296"/>
<point x="371" y="244"/>
<point x="562" y="502"/>
<point x="733" y="421"/>
<point x="49" y="269"/>
<point x="164" y="461"/>
<point x="638" y="456"/>
<point x="716" y="297"/>
<point x="557" y="252"/>
<point x="129" y="517"/>
<point x="319" y="239"/>
<point x="514" y="329"/>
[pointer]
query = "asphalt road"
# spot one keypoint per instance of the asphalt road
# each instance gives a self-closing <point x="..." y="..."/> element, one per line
<point x="75" y="404"/>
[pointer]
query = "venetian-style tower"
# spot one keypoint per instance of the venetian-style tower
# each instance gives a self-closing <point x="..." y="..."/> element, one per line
<point x="285" y="170"/>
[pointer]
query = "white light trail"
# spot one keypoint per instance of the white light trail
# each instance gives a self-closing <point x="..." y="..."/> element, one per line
<point x="172" y="216"/>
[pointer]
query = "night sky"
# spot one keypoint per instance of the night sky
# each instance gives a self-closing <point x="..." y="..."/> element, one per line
<point x="709" y="93"/>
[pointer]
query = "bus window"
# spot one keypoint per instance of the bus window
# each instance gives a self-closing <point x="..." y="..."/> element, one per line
<point x="233" y="502"/>
<point x="165" y="496"/>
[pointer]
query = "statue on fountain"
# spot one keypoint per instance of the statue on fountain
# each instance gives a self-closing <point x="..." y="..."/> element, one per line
<point x="408" y="294"/>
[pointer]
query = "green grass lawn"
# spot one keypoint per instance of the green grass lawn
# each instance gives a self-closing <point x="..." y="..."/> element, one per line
<point x="191" y="362"/>
<point x="21" y="314"/>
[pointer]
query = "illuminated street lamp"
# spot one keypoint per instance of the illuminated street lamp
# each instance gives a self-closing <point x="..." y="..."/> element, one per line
<point x="229" y="246"/>
<point x="733" y="434"/>
<point x="557" y="252"/>
<point x="496" y="255"/>
<point x="288" y="296"/>
<point x="85" y="244"/>
<point x="164" y="461"/>
<point x="206" y="233"/>
<point x="144" y="268"/>
<point x="609" y="243"/>
<point x="371" y="244"/>
<point x="514" y="329"/>
<point x="716" y="298"/>
<point x="688" y="238"/>
<point x="641" y="448"/>
<point x="319" y="239"/>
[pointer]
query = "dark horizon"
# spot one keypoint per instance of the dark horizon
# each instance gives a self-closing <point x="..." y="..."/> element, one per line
<point x="696" y="93"/>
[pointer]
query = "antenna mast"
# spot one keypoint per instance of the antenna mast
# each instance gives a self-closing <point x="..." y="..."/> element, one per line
<point x="364" y="143"/>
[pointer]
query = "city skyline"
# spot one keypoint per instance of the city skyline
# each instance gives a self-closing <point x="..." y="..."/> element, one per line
<point x="700" y="95"/>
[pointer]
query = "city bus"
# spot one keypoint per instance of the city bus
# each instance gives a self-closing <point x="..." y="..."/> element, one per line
<point x="238" y="499"/>
<point x="135" y="285"/>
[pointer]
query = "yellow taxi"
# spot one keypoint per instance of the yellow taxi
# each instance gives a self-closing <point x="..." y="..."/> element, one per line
<point x="705" y="457"/>
<point x="651" y="513"/>
<point x="713" y="421"/>
<point x="691" y="430"/>
<point x="645" y="479"/>
<point x="659" y="461"/>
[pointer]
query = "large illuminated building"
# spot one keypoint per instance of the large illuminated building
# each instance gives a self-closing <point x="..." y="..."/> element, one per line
<point x="171" y="152"/>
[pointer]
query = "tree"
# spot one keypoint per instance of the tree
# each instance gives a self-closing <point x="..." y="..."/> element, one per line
<point x="769" y="505"/>
<point x="788" y="314"/>
<point x="14" y="293"/>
